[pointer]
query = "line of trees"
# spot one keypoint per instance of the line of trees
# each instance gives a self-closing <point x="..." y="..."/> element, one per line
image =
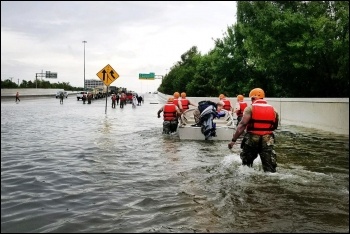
<point x="287" y="48"/>
<point x="42" y="84"/>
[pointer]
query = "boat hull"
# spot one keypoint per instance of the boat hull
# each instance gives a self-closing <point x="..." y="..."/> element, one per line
<point x="194" y="133"/>
<point x="225" y="127"/>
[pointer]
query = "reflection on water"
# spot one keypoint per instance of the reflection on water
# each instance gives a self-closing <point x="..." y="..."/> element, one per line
<point x="73" y="168"/>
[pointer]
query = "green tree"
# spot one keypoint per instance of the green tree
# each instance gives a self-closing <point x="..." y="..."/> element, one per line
<point x="294" y="46"/>
<point x="8" y="84"/>
<point x="287" y="48"/>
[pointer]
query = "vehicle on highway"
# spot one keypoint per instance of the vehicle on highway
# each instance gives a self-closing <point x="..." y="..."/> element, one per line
<point x="65" y="93"/>
<point x="129" y="97"/>
<point x="80" y="94"/>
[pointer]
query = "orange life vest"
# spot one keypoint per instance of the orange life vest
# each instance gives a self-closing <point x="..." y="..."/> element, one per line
<point x="263" y="118"/>
<point x="176" y="102"/>
<point x="242" y="106"/>
<point x="169" y="112"/>
<point x="184" y="103"/>
<point x="227" y="104"/>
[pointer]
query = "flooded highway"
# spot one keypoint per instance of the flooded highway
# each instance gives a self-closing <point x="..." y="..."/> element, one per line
<point x="75" y="168"/>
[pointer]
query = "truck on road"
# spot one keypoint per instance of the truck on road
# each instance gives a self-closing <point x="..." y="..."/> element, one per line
<point x="80" y="94"/>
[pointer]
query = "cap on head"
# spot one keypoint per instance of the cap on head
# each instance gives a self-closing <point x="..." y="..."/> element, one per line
<point x="257" y="93"/>
<point x="183" y="94"/>
<point x="221" y="96"/>
<point x="176" y="95"/>
<point x="240" y="97"/>
<point x="170" y="99"/>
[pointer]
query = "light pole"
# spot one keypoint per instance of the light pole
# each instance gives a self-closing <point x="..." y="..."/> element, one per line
<point x="84" y="63"/>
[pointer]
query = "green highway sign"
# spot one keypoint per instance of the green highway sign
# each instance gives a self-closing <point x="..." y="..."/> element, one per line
<point x="51" y="74"/>
<point x="149" y="76"/>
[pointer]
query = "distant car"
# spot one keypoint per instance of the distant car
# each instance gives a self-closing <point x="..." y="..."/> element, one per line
<point x="65" y="93"/>
<point x="155" y="92"/>
<point x="80" y="94"/>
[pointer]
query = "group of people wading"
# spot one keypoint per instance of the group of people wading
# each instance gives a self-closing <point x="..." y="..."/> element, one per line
<point x="121" y="100"/>
<point x="87" y="97"/>
<point x="257" y="121"/>
<point x="172" y="110"/>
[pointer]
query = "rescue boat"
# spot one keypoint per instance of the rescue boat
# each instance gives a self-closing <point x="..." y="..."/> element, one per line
<point x="188" y="130"/>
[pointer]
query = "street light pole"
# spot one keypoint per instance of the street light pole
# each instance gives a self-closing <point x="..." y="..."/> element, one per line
<point x="84" y="63"/>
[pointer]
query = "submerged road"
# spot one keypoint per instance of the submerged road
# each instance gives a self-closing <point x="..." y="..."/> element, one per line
<point x="75" y="168"/>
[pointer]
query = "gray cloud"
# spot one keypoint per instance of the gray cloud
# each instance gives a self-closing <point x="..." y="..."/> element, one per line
<point x="134" y="37"/>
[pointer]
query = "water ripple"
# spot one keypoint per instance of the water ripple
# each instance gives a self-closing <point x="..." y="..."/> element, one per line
<point x="74" y="168"/>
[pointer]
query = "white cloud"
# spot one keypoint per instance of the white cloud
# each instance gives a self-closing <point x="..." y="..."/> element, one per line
<point x="133" y="37"/>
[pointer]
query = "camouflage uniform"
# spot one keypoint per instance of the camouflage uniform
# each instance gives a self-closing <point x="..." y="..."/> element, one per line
<point x="253" y="144"/>
<point x="196" y="115"/>
<point x="170" y="126"/>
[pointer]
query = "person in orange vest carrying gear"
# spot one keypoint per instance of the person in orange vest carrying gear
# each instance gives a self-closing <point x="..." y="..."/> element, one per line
<point x="184" y="103"/>
<point x="227" y="103"/>
<point x="239" y="108"/>
<point x="176" y="98"/>
<point x="171" y="113"/>
<point x="114" y="99"/>
<point x="259" y="120"/>
<point x="122" y="100"/>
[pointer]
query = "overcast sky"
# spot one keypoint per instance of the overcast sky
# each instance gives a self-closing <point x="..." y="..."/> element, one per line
<point x="132" y="37"/>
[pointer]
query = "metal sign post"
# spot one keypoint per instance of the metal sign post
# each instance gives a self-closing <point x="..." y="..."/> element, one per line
<point x="106" y="100"/>
<point x="107" y="75"/>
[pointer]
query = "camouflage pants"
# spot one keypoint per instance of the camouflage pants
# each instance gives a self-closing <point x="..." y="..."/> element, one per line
<point x="170" y="126"/>
<point x="196" y="115"/>
<point x="252" y="145"/>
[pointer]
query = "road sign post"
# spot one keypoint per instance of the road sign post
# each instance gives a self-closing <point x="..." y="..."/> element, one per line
<point x="107" y="75"/>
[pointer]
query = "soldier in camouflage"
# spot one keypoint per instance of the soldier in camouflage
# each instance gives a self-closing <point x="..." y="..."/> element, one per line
<point x="259" y="120"/>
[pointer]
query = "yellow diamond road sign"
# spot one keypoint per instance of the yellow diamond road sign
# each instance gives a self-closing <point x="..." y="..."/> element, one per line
<point x="107" y="75"/>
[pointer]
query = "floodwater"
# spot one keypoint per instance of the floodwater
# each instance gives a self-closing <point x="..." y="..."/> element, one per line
<point x="78" y="168"/>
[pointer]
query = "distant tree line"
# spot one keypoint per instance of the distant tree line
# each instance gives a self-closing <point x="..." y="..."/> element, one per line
<point x="42" y="84"/>
<point x="287" y="48"/>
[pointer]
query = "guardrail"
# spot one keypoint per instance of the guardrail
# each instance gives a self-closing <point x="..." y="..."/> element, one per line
<point x="328" y="114"/>
<point x="32" y="92"/>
